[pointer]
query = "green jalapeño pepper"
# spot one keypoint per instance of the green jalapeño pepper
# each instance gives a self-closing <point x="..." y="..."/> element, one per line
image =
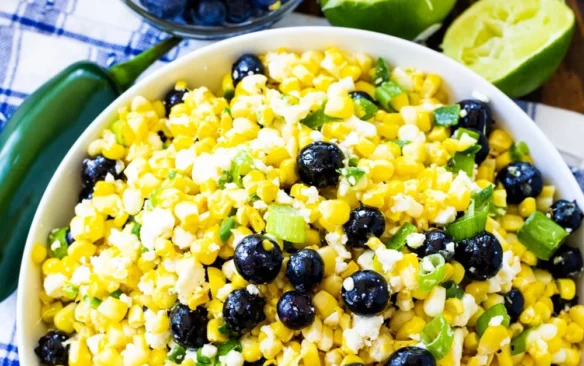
<point x="39" y="134"/>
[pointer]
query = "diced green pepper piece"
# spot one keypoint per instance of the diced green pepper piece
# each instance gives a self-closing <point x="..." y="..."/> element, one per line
<point x="92" y="301"/>
<point x="541" y="235"/>
<point x="519" y="151"/>
<point x="463" y="161"/>
<point x="177" y="354"/>
<point x="116" y="294"/>
<point x="317" y="119"/>
<point x="453" y="290"/>
<point x="381" y="72"/>
<point x="228" y="346"/>
<point x="242" y="164"/>
<point x="398" y="240"/>
<point x="386" y="93"/>
<point x="364" y="109"/>
<point x="461" y="131"/>
<point x="58" y="243"/>
<point x="438" y="337"/>
<point x="447" y="115"/>
<point x="116" y="128"/>
<point x="225" y="229"/>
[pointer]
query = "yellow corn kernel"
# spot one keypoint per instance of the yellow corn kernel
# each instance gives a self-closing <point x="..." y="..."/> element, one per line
<point x="454" y="306"/>
<point x="281" y="331"/>
<point x="527" y="207"/>
<point x="277" y="155"/>
<point x="289" y="85"/>
<point x="574" y="333"/>
<point x="53" y="266"/>
<point x="79" y="353"/>
<point x="478" y="289"/>
<point x="352" y="267"/>
<point x="424" y="121"/>
<point x="500" y="141"/>
<point x="64" y="318"/>
<point x="471" y="342"/>
<point x="365" y="87"/>
<point x="457" y="271"/>
<point x="335" y="212"/>
<point x="567" y="288"/>
<point x="136" y="316"/>
<point x="328" y="255"/>
<point x="512" y="222"/>
<point x="529" y="258"/>
<point x="431" y="85"/>
<point x="213" y="333"/>
<point x="492" y="339"/>
<point x="351" y="71"/>
<point x="113" y="309"/>
<point x="38" y="253"/>
<point x="310" y="355"/>
<point x="288" y="172"/>
<point x="81" y="249"/>
<point x="250" y="349"/>
<point x="322" y="82"/>
<point x="411" y="328"/>
<point x="545" y="198"/>
<point x="324" y="303"/>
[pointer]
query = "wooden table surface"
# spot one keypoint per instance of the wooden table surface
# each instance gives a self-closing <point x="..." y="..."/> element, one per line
<point x="565" y="89"/>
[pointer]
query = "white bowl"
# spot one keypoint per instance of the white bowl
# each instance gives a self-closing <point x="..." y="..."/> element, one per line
<point x="205" y="67"/>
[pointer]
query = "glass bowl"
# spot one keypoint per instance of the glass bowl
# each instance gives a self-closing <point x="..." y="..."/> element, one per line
<point x="201" y="32"/>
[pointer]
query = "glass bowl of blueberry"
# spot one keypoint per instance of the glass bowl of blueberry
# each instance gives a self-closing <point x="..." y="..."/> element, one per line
<point x="211" y="19"/>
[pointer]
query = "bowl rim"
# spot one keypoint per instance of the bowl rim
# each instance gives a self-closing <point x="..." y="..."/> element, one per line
<point x="562" y="169"/>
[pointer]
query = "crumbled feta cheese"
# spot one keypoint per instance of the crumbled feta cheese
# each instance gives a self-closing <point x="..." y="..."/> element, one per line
<point x="364" y="332"/>
<point x="316" y="136"/>
<point x="405" y="203"/>
<point x="409" y="115"/>
<point x="470" y="308"/>
<point x="93" y="343"/>
<point x="480" y="96"/>
<point x="126" y="300"/>
<point x="353" y="340"/>
<point x="209" y="350"/>
<point x="132" y="201"/>
<point x="361" y="128"/>
<point x="365" y="260"/>
<point x="185" y="159"/>
<point x="267" y="139"/>
<point x="134" y="355"/>
<point x="182" y="238"/>
<point x="252" y="289"/>
<point x="450" y="247"/>
<point x="157" y="223"/>
<point x="463" y="113"/>
<point x="411" y="133"/>
<point x="332" y="320"/>
<point x="280" y="64"/>
<point x="127" y="243"/>
<point x="445" y="216"/>
<point x="388" y="258"/>
<point x="466" y="139"/>
<point x="191" y="275"/>
<point x="108" y="265"/>
<point x="547" y="331"/>
<point x="337" y="242"/>
<point x="233" y="358"/>
<point x="260" y="205"/>
<point x="496" y="320"/>
<point x="311" y="194"/>
<point x="415" y="240"/>
<point x="503" y="280"/>
<point x="349" y="284"/>
<point x="81" y="276"/>
<point x="283" y="198"/>
<point x="53" y="285"/>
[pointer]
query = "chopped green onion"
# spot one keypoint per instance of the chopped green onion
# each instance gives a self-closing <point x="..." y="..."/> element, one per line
<point x="242" y="164"/>
<point x="291" y="99"/>
<point x="173" y="174"/>
<point x="70" y="291"/>
<point x="116" y="294"/>
<point x="518" y="151"/>
<point x="453" y="290"/>
<point x="447" y="115"/>
<point x="144" y="249"/>
<point x="463" y="161"/>
<point x="92" y="301"/>
<point x="153" y="199"/>
<point x="541" y="235"/>
<point x="519" y="343"/>
<point x="461" y="131"/>
<point x="225" y="229"/>
<point x="352" y="174"/>
<point x="386" y="92"/>
<point x="432" y="271"/>
<point x="177" y="354"/>
<point x="317" y="119"/>
<point x="398" y="240"/>
<point x="254" y="197"/>
<point x="284" y="222"/>
<point x="474" y="220"/>
<point x="381" y="72"/>
<point x="224" y="329"/>
<point x="228" y="346"/>
<point x="353" y="161"/>
<point x="493" y="311"/>
<point x="136" y="229"/>
<point x="364" y="109"/>
<point x="58" y="243"/>
<point x="438" y="337"/>
<point x="203" y="360"/>
<point x="400" y="143"/>
<point x="116" y="128"/>
<point x="225" y="178"/>
<point x="483" y="198"/>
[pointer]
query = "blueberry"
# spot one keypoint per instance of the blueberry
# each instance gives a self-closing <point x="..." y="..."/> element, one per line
<point x="172" y="98"/>
<point x="96" y="169"/>
<point x="245" y="65"/>
<point x="263" y="4"/>
<point x="361" y="95"/>
<point x="562" y="304"/>
<point x="514" y="303"/>
<point x="238" y="11"/>
<point x="258" y="259"/>
<point x="69" y="237"/>
<point x="207" y="12"/>
<point x="481" y="256"/>
<point x="51" y="350"/>
<point x="566" y="214"/>
<point x="411" y="356"/>
<point x="363" y="223"/>
<point x="189" y="327"/>
<point x="295" y="310"/>
<point x="318" y="164"/>
<point x="365" y="293"/>
<point x="165" y="8"/>
<point x="566" y="263"/>
<point x="242" y="311"/>
<point x="305" y="269"/>
<point x="354" y="364"/>
<point x="477" y="115"/>
<point x="437" y="241"/>
<point x="483" y="153"/>
<point x="86" y="194"/>
<point x="520" y="180"/>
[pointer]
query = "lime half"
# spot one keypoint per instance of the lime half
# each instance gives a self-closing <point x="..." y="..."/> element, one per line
<point x="402" y="18"/>
<point x="515" y="44"/>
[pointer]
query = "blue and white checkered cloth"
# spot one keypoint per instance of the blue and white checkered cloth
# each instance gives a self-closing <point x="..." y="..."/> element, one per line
<point x="39" y="38"/>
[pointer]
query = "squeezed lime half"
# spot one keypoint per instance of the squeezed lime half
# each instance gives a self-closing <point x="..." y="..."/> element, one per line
<point x="515" y="44"/>
<point x="402" y="18"/>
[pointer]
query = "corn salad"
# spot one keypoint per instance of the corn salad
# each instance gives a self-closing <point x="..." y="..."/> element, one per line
<point x="327" y="209"/>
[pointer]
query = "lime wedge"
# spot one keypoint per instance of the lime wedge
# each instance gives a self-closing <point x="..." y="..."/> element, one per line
<point x="515" y="44"/>
<point x="402" y="18"/>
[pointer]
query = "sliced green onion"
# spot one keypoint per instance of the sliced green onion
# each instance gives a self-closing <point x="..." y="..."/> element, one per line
<point x="463" y="161"/>
<point x="225" y="229"/>
<point x="447" y="115"/>
<point x="493" y="311"/>
<point x="242" y="164"/>
<point x="58" y="243"/>
<point x="92" y="301"/>
<point x="473" y="222"/>
<point x="254" y="197"/>
<point x="224" y="329"/>
<point x="461" y="131"/>
<point x="353" y="161"/>
<point x="438" y="337"/>
<point x="71" y="291"/>
<point x="381" y="72"/>
<point x="386" y="92"/>
<point x="136" y="229"/>
<point x="116" y="128"/>
<point x="364" y="109"/>
<point x="483" y="198"/>
<point x="518" y="151"/>
<point x="225" y="178"/>
<point x="398" y="240"/>
<point x="177" y="354"/>
<point x="291" y="99"/>
<point x="203" y="360"/>
<point x="400" y="143"/>
<point x="453" y="290"/>
<point x="352" y="174"/>
<point x="228" y="346"/>
<point x="519" y="343"/>
<point x="317" y="119"/>
<point x="173" y="174"/>
<point x="116" y="294"/>
<point x="284" y="222"/>
<point x="432" y="271"/>
<point x="541" y="235"/>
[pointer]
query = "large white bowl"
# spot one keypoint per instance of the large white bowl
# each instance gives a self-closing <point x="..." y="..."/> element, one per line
<point x="206" y="67"/>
